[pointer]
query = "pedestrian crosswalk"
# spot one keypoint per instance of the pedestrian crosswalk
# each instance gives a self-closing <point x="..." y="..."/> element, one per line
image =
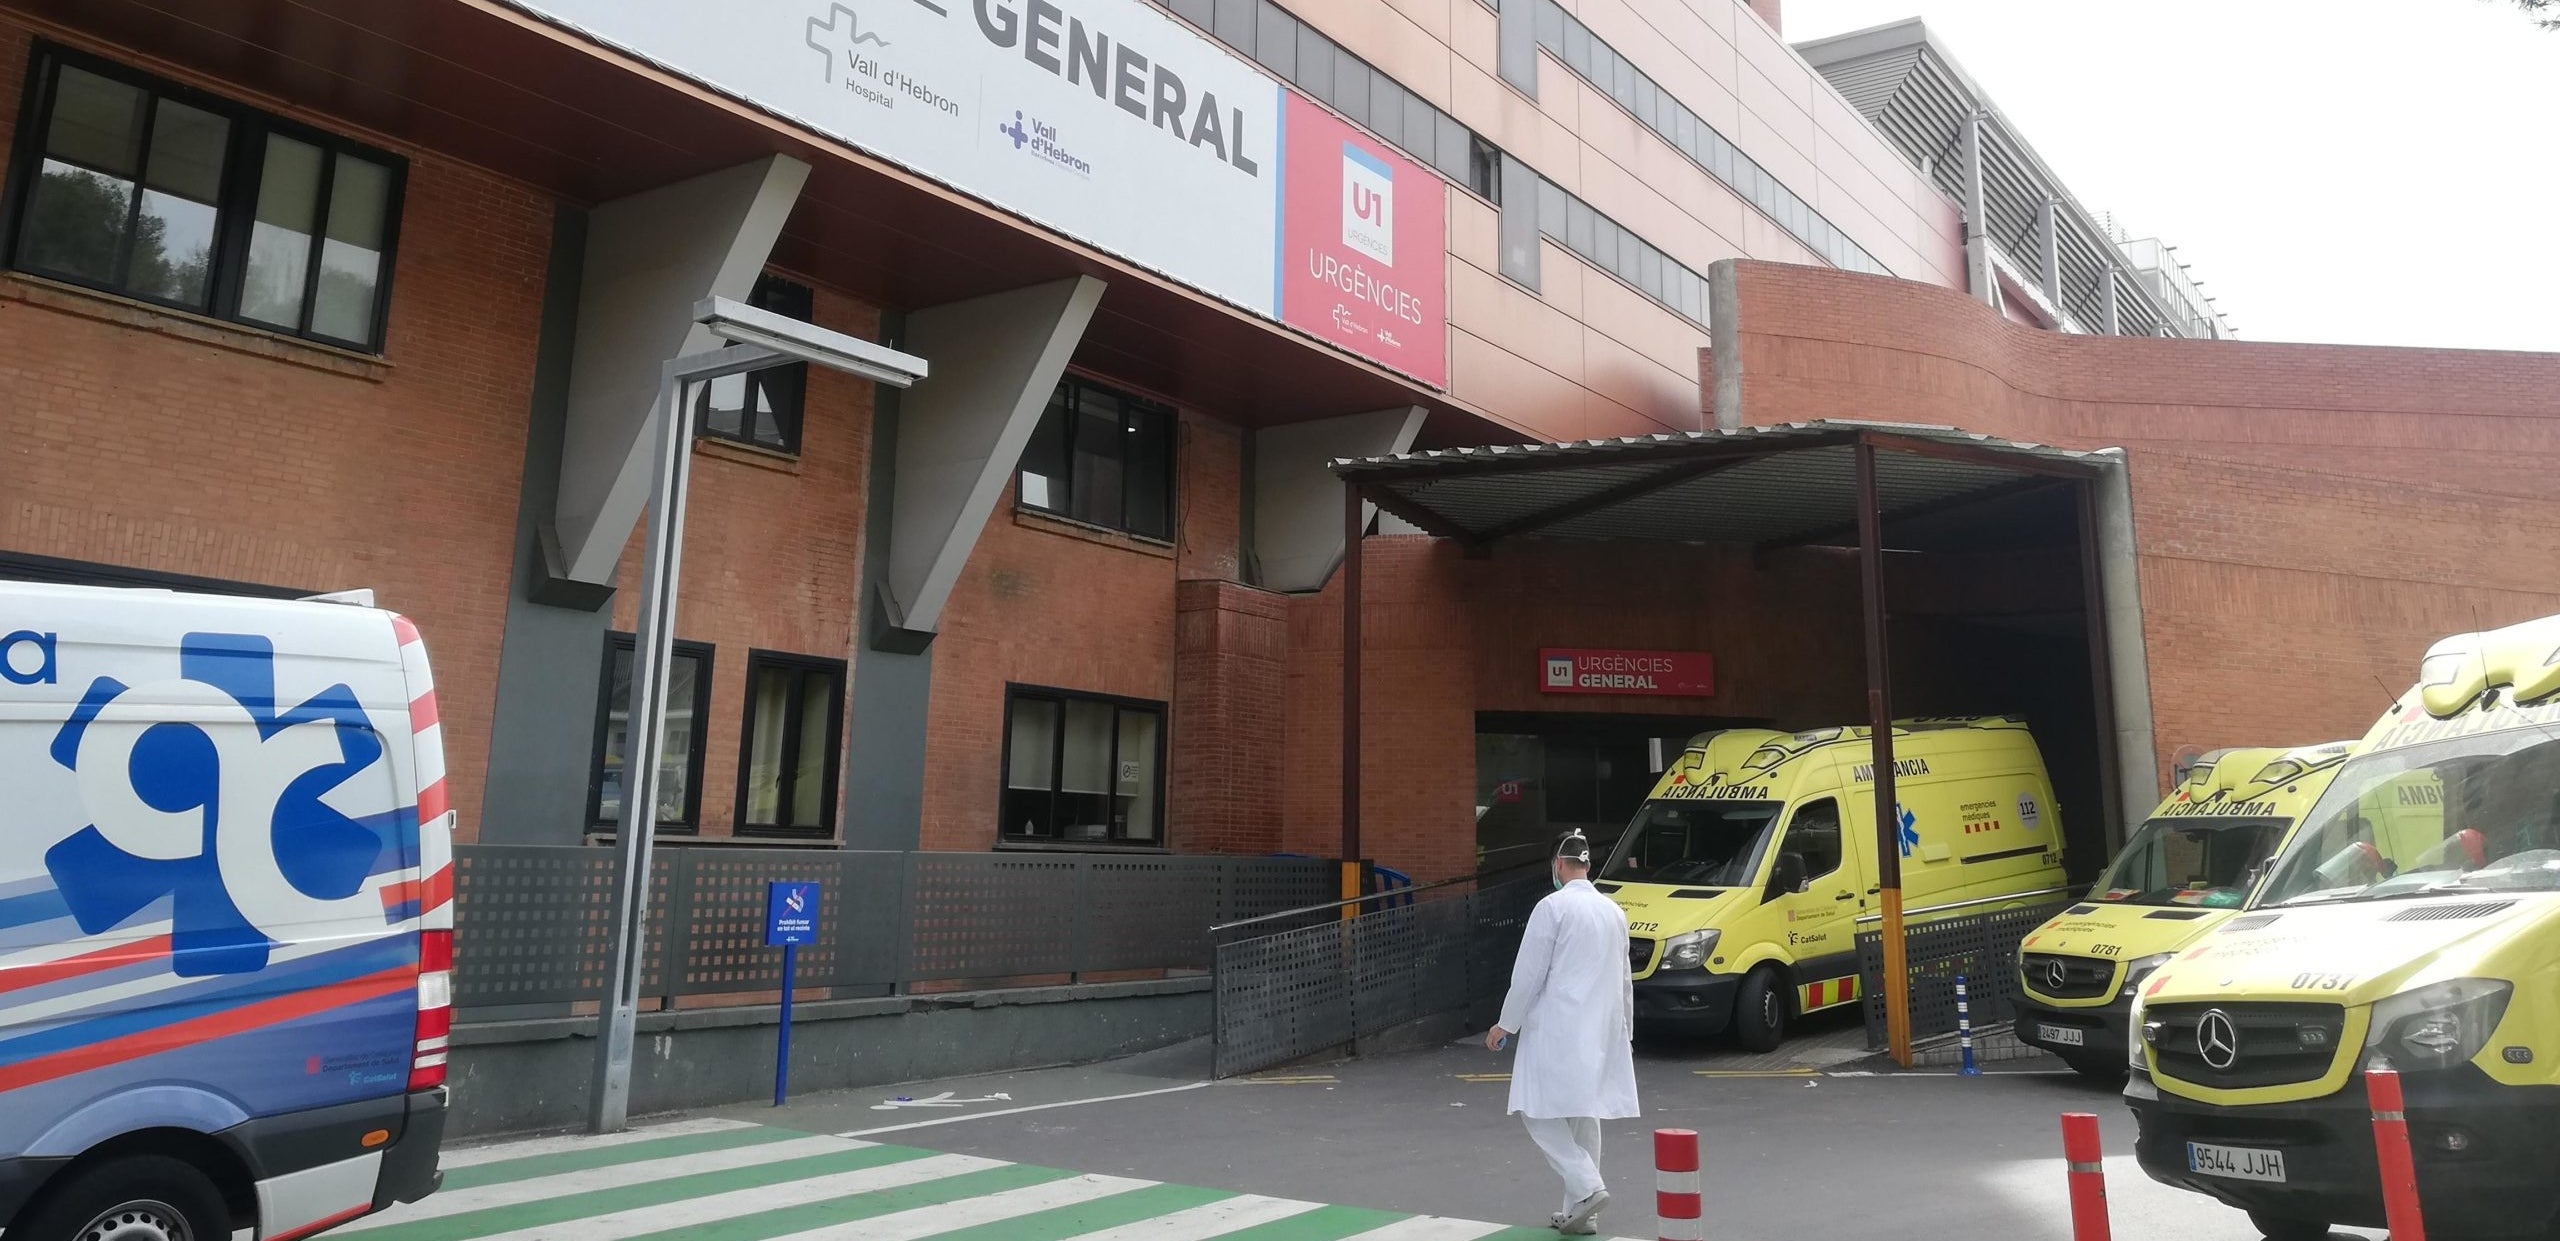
<point x="728" y="1180"/>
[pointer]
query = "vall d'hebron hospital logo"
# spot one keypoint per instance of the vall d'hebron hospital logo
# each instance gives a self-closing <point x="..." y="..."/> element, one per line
<point x="1042" y="140"/>
<point x="839" y="36"/>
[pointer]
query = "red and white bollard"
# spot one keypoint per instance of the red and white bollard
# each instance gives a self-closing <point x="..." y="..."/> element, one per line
<point x="2081" y="1161"/>
<point x="1677" y="1194"/>
<point x="2391" y="1150"/>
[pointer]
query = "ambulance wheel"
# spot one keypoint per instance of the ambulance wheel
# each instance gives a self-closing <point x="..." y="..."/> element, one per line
<point x="1760" y="1011"/>
<point x="2283" y="1228"/>
<point x="139" y="1198"/>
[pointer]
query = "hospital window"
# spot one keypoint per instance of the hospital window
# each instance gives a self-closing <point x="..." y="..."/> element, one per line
<point x="141" y="188"/>
<point x="688" y="695"/>
<point x="1080" y="769"/>
<point x="787" y="762"/>
<point x="1103" y="458"/>
<point x="761" y="407"/>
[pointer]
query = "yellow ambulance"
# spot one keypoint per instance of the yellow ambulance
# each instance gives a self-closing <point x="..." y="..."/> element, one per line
<point x="2189" y="867"/>
<point x="2414" y="921"/>
<point x="1744" y="875"/>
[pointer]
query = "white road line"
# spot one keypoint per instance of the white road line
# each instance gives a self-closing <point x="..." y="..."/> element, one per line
<point x="1210" y="1219"/>
<point x="476" y="1155"/>
<point x="1429" y="1228"/>
<point x="696" y="1212"/>
<point x="1017" y="1111"/>
<point x="611" y="1176"/>
<point x="965" y="1213"/>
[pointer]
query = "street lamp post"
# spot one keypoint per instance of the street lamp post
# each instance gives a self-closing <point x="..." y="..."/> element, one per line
<point x="761" y="340"/>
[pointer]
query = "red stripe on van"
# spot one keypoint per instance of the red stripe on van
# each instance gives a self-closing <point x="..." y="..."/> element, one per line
<point x="403" y="630"/>
<point x="422" y="713"/>
<point x="436" y="890"/>
<point x="106" y="958"/>
<point x="277" y="1011"/>
<point x="433" y="801"/>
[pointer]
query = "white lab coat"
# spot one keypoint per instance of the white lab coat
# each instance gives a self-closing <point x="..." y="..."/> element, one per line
<point x="1572" y="1008"/>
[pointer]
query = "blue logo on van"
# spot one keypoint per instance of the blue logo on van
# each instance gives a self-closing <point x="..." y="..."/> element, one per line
<point x="1910" y="828"/>
<point x="26" y="658"/>
<point x="216" y="809"/>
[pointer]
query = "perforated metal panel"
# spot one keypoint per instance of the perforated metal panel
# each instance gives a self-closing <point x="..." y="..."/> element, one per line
<point x="989" y="916"/>
<point x="1150" y="913"/>
<point x="531" y="925"/>
<point x="1289" y="995"/>
<point x="719" y="895"/>
<point x="1983" y="948"/>
<point x="1257" y="887"/>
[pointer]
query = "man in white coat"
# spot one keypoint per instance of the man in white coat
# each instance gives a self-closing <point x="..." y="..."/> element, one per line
<point x="1572" y="1005"/>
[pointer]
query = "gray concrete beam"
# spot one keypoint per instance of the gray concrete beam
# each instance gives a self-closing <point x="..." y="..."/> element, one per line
<point x="1977" y="218"/>
<point x="1297" y="502"/>
<point x="649" y="258"/>
<point x="995" y="361"/>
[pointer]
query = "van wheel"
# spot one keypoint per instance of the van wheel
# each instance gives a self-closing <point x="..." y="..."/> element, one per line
<point x="2282" y="1228"/>
<point x="139" y="1198"/>
<point x="1760" y="1011"/>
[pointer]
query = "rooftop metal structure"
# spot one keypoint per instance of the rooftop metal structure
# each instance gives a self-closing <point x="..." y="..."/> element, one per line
<point x="2032" y="235"/>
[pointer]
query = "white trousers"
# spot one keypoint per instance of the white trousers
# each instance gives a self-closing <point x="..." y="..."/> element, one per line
<point x="1572" y="1148"/>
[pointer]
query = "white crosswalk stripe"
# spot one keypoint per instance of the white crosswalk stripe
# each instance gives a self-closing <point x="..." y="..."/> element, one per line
<point x="693" y="1212"/>
<point x="970" y="1212"/>
<point x="1208" y="1220"/>
<point x="589" y="1180"/>
<point x="474" y="1156"/>
<point x="1429" y="1228"/>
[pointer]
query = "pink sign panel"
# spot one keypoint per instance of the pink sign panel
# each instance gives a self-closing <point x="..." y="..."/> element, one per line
<point x="1363" y="245"/>
<point x="1683" y="674"/>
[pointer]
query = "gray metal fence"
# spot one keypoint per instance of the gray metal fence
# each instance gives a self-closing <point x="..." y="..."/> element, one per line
<point x="1980" y="947"/>
<point x="532" y="924"/>
<point x="1284" y="996"/>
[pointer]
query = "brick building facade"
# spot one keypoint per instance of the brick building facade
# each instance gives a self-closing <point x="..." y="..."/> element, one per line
<point x="2308" y="517"/>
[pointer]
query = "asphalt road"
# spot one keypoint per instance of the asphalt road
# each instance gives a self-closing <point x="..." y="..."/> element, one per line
<point x="1789" y="1152"/>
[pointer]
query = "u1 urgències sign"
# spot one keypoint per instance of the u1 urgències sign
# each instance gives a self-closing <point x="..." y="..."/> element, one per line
<point x="1113" y="123"/>
<point x="1679" y="674"/>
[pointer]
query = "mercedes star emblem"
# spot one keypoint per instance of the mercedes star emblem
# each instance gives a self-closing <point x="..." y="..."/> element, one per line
<point x="2054" y="974"/>
<point x="2217" y="1039"/>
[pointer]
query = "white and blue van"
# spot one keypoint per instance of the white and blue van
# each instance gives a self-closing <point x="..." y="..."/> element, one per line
<point x="225" y="914"/>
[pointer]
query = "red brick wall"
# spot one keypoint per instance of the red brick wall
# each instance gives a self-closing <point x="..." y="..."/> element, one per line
<point x="1043" y="602"/>
<point x="147" y="439"/>
<point x="2308" y="518"/>
<point x="1231" y="668"/>
<point x="1445" y="637"/>
<point x="773" y="551"/>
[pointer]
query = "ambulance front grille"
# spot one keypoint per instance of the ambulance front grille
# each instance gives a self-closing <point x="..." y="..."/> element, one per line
<point x="2243" y="1045"/>
<point x="2066" y="978"/>
<point x="1639" y="953"/>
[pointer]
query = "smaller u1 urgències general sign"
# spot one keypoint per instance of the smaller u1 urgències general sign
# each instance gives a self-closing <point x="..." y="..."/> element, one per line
<point x="1677" y="674"/>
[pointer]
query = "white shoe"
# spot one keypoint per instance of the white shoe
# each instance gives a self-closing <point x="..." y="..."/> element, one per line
<point x="1579" y="1221"/>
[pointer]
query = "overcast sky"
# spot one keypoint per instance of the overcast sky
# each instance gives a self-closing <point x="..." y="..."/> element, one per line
<point x="2368" y="171"/>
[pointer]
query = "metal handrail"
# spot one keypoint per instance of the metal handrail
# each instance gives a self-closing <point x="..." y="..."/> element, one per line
<point x="1478" y="877"/>
<point x="1863" y="919"/>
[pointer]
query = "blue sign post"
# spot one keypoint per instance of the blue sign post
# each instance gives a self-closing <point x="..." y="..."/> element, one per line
<point x="790" y="920"/>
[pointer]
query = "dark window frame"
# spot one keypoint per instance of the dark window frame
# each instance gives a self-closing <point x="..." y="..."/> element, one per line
<point x="618" y="641"/>
<point x="1015" y="692"/>
<point x="1063" y="506"/>
<point x="790" y="380"/>
<point x="757" y="662"/>
<point x="237" y="205"/>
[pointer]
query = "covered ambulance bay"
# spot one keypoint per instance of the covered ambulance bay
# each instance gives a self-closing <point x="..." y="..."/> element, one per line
<point x="1801" y="576"/>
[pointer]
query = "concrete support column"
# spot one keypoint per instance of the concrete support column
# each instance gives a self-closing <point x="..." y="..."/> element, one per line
<point x="2109" y="313"/>
<point x="1724" y="344"/>
<point x="649" y="258"/>
<point x="1977" y="220"/>
<point x="1297" y="502"/>
<point x="2129" y="668"/>
<point x="2049" y="249"/>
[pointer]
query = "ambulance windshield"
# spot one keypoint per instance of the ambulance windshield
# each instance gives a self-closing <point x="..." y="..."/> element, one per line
<point x="2209" y="863"/>
<point x="2477" y="813"/>
<point x="1703" y="843"/>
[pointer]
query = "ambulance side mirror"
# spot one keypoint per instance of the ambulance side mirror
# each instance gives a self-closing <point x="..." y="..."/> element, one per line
<point x="1788" y="877"/>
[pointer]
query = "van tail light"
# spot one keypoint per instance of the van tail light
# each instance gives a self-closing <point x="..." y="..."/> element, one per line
<point x="435" y="1010"/>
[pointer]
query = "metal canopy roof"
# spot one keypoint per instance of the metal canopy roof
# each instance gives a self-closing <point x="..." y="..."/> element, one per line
<point x="1775" y="485"/>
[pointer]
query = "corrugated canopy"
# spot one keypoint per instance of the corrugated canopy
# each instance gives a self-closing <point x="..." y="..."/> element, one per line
<point x="1776" y="485"/>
